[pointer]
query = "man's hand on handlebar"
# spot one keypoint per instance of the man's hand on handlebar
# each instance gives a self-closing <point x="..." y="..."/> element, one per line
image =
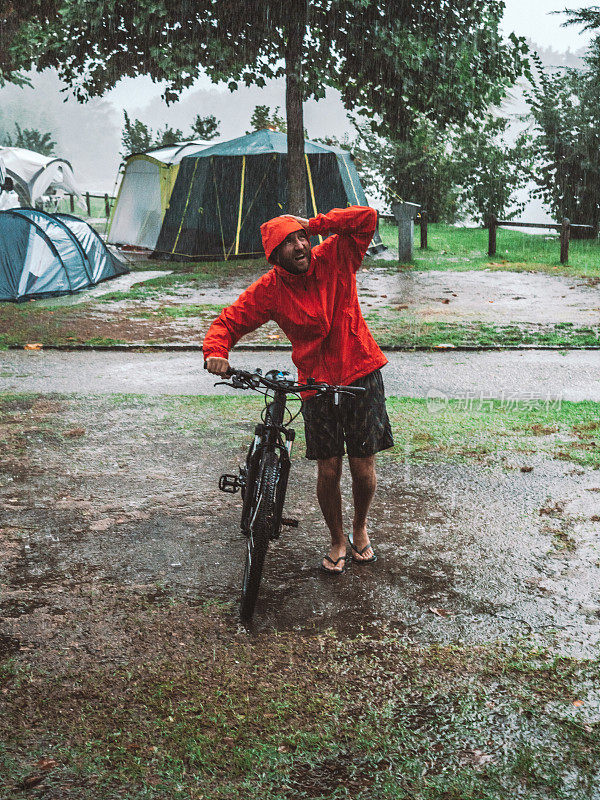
<point x="277" y="381"/>
<point x="217" y="366"/>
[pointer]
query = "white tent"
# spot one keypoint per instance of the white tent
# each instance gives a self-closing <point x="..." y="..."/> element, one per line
<point x="8" y="197"/>
<point x="33" y="174"/>
<point x="145" y="191"/>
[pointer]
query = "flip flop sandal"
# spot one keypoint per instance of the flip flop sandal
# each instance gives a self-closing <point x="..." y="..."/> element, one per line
<point x="335" y="563"/>
<point x="360" y="552"/>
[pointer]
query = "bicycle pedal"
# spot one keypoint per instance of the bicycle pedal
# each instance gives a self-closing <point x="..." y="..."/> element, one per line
<point x="291" y="523"/>
<point x="229" y="483"/>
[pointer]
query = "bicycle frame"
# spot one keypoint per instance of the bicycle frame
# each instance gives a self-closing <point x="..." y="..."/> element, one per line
<point x="271" y="435"/>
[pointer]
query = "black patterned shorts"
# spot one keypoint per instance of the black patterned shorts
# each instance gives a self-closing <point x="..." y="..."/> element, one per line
<point x="359" y="421"/>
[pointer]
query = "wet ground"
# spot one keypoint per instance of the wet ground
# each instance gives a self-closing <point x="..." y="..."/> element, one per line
<point x="109" y="504"/>
<point x="494" y="296"/>
<point x="484" y="296"/>
<point x="404" y="308"/>
<point x="121" y="284"/>
<point x="105" y="499"/>
<point x="444" y="296"/>
<point x="566" y="375"/>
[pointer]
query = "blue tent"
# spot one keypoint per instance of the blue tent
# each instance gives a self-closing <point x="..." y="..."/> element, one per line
<point x="45" y="255"/>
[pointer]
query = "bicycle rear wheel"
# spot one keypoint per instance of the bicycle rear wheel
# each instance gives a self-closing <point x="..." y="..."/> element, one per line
<point x="263" y="520"/>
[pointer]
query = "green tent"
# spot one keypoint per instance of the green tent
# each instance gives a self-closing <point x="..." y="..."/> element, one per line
<point x="224" y="193"/>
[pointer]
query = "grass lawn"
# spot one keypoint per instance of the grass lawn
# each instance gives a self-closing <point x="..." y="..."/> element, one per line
<point x="403" y="332"/>
<point x="450" y="247"/>
<point x="478" y="427"/>
<point x="163" y="299"/>
<point x="97" y="207"/>
<point x="293" y="716"/>
<point x="446" y="429"/>
<point x="457" y="248"/>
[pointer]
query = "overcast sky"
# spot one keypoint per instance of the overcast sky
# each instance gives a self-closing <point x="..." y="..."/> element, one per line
<point x="533" y="18"/>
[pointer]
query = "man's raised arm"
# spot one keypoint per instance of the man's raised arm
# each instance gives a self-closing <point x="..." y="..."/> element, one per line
<point x="354" y="227"/>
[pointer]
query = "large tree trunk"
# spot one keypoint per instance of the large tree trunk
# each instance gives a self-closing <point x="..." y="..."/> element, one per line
<point x="293" y="107"/>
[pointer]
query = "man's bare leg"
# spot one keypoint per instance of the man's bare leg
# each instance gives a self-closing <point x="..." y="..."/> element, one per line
<point x="364" y="483"/>
<point x="330" y="500"/>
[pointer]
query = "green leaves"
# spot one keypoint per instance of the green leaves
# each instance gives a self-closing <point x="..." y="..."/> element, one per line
<point x="565" y="107"/>
<point x="30" y="139"/>
<point x="488" y="170"/>
<point x="444" y="60"/>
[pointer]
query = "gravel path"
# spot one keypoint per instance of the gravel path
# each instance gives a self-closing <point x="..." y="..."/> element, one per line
<point x="571" y="375"/>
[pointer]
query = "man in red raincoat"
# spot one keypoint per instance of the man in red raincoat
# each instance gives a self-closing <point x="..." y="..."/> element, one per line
<point x="311" y="294"/>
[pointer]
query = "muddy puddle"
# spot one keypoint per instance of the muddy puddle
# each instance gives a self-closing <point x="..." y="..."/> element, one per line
<point x="498" y="297"/>
<point x="123" y="504"/>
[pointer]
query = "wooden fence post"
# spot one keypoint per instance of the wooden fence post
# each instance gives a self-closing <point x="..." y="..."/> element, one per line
<point x="423" y="230"/>
<point x="88" y="204"/>
<point x="106" y="205"/>
<point x="492" y="235"/>
<point x="72" y="202"/>
<point x="565" y="235"/>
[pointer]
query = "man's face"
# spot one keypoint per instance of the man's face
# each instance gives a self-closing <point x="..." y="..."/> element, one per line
<point x="293" y="254"/>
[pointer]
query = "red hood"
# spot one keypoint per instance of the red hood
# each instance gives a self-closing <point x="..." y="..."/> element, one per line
<point x="275" y="230"/>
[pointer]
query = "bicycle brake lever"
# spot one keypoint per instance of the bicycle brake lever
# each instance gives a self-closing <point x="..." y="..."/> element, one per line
<point x="336" y="396"/>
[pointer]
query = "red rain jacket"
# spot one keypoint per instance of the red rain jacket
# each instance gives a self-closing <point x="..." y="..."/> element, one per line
<point x="318" y="311"/>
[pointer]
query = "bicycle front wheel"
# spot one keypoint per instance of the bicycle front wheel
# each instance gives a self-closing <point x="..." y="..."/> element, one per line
<point x="262" y="523"/>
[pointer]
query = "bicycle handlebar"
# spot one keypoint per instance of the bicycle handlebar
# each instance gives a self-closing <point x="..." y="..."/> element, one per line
<point x="252" y="380"/>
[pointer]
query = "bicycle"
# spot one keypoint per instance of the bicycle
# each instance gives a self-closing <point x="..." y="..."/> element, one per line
<point x="263" y="478"/>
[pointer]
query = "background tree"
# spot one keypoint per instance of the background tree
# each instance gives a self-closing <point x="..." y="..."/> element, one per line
<point x="20" y="26"/>
<point x="488" y="171"/>
<point x="136" y="137"/>
<point x="589" y="18"/>
<point x="565" y="107"/>
<point x="169" y="136"/>
<point x="450" y="173"/>
<point x="30" y="139"/>
<point x="206" y="128"/>
<point x="418" y="169"/>
<point x="263" y="118"/>
<point x="392" y="60"/>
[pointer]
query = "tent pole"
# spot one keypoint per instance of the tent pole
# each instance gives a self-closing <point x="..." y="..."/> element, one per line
<point x="239" y="222"/>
